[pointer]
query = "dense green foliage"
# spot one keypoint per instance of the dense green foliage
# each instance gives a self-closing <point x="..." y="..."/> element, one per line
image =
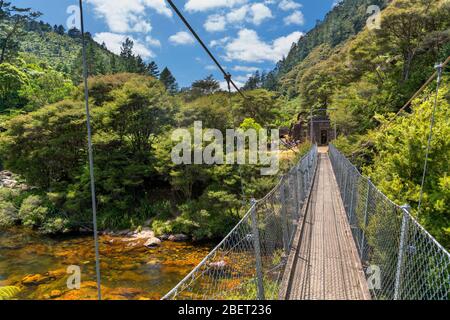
<point x="399" y="159"/>
<point x="132" y="118"/>
<point x="345" y="20"/>
<point x="360" y="75"/>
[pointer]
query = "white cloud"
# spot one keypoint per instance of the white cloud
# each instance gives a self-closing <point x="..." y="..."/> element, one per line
<point x="204" y="5"/>
<point x="124" y="16"/>
<point x="219" y="42"/>
<point x="287" y="5"/>
<point x="237" y="15"/>
<point x="260" y="12"/>
<point x="215" y="23"/>
<point x="181" y="38"/>
<point x="295" y="18"/>
<point x="211" y="67"/>
<point x="152" y="41"/>
<point x="250" y="48"/>
<point x="224" y="85"/>
<point x="245" y="69"/>
<point x="114" y="42"/>
<point x="256" y="14"/>
<point x="281" y="46"/>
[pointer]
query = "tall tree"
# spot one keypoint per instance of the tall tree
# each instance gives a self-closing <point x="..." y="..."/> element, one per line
<point x="169" y="81"/>
<point x="254" y="82"/>
<point x="152" y="69"/>
<point x="126" y="52"/>
<point x="407" y="24"/>
<point x="12" y="22"/>
<point x="206" y="86"/>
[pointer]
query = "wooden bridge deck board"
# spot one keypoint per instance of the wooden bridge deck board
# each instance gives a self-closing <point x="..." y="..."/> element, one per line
<point x="327" y="266"/>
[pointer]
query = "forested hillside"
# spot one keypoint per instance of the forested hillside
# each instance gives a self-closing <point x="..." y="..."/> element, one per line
<point x="363" y="75"/>
<point x="345" y="20"/>
<point x="366" y="79"/>
<point x="135" y="108"/>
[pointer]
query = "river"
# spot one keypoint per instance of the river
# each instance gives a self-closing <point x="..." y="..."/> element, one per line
<point x="37" y="265"/>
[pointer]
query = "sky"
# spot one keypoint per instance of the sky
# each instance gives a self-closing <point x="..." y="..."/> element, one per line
<point x="245" y="35"/>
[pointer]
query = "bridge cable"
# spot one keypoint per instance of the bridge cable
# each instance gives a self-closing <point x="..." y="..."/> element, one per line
<point x="439" y="68"/>
<point x="91" y="157"/>
<point x="230" y="101"/>
<point x="418" y="92"/>
<point x="227" y="75"/>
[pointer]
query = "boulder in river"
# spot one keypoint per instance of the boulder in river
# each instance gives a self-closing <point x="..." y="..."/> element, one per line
<point x="152" y="242"/>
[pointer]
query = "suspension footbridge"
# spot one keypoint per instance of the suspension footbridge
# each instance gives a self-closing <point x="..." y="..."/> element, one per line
<point x="324" y="232"/>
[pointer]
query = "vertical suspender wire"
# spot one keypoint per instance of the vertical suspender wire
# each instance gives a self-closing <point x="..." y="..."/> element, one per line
<point x="430" y="137"/>
<point x="91" y="157"/>
<point x="230" y="101"/>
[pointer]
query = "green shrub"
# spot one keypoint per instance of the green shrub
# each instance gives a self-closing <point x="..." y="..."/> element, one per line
<point x="8" y="214"/>
<point x="162" y="227"/>
<point x="32" y="212"/>
<point x="55" y="225"/>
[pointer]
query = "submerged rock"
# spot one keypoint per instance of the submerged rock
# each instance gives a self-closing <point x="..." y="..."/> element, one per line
<point x="35" y="279"/>
<point x="55" y="294"/>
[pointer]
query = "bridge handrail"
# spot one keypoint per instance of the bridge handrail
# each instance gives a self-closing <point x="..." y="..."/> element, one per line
<point x="409" y="261"/>
<point x="249" y="262"/>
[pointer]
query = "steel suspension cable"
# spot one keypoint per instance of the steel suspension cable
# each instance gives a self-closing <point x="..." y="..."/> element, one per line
<point x="418" y="92"/>
<point x="439" y="68"/>
<point x="200" y="41"/>
<point x="91" y="156"/>
<point x="230" y="101"/>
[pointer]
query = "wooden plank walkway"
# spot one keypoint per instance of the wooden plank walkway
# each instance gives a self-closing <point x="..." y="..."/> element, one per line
<point x="324" y="259"/>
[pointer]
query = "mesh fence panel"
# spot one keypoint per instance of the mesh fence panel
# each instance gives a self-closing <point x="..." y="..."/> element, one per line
<point x="412" y="264"/>
<point x="250" y="261"/>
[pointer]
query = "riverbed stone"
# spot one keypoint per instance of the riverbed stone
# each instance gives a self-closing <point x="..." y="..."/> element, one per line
<point x="55" y="294"/>
<point x="152" y="242"/>
<point x="35" y="279"/>
<point x="178" y="237"/>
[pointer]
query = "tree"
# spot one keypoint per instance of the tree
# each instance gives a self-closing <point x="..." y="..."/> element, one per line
<point x="254" y="82"/>
<point x="169" y="81"/>
<point x="207" y="86"/>
<point x="12" y="22"/>
<point x="152" y="69"/>
<point x="398" y="165"/>
<point x="74" y="33"/>
<point x="200" y="88"/>
<point x="261" y="105"/>
<point x="60" y="30"/>
<point x="126" y="52"/>
<point x="408" y="23"/>
<point x="12" y="81"/>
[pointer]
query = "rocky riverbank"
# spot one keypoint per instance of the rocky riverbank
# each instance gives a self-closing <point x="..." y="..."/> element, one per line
<point x="37" y="266"/>
<point x="143" y="237"/>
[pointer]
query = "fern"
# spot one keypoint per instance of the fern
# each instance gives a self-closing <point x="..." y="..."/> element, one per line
<point x="8" y="292"/>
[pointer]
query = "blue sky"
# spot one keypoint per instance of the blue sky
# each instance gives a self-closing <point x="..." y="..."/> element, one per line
<point x="246" y="35"/>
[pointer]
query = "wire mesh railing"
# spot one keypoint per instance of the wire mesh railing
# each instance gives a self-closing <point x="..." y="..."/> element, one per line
<point x="250" y="261"/>
<point x="401" y="259"/>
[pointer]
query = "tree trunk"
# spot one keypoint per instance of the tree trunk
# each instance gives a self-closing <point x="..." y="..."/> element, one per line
<point x="407" y="65"/>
